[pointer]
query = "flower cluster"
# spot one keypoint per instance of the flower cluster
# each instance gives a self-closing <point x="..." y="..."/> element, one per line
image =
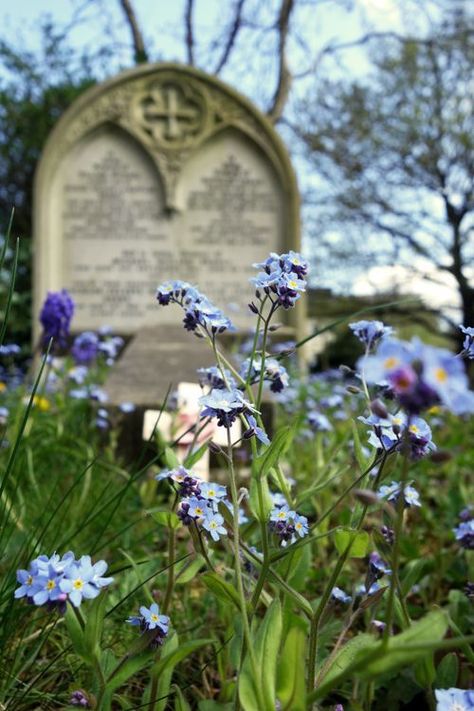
<point x="419" y="376"/>
<point x="397" y="432"/>
<point x="226" y="405"/>
<point x="282" y="279"/>
<point x="464" y="532"/>
<point x="150" y="620"/>
<point x="370" y="332"/>
<point x="391" y="492"/>
<point x="56" y="316"/>
<point x="199" y="311"/>
<point x="287" y="524"/>
<point x="454" y="699"/>
<point x="273" y="372"/>
<point x="199" y="500"/>
<point x="54" y="580"/>
<point x="338" y="595"/>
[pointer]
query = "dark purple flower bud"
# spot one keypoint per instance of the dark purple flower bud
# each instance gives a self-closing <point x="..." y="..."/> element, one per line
<point x="379" y="409"/>
<point x="79" y="698"/>
<point x="469" y="590"/>
<point x="388" y="534"/>
<point x="253" y="308"/>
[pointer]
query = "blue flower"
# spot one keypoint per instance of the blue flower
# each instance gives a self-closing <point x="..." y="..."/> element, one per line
<point x="213" y="523"/>
<point x="468" y="344"/>
<point x="126" y="407"/>
<point x="225" y="405"/>
<point x="255" y="431"/>
<point x="318" y="422"/>
<point x="150" y="620"/>
<point x="465" y="534"/>
<point x="301" y="525"/>
<point x="55" y="317"/>
<point x="454" y="699"/>
<point x="78" y="583"/>
<point x="340" y="596"/>
<point x="56" y="579"/>
<point x="85" y="348"/>
<point x="392" y="493"/>
<point x="370" y="332"/>
<point x="212" y="492"/>
<point x="197" y="508"/>
<point x="419" y="376"/>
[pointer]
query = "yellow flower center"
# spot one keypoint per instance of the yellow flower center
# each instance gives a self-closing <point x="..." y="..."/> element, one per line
<point x="441" y="375"/>
<point x="414" y="429"/>
<point x="213" y="524"/>
<point x="154" y="618"/>
<point x="50" y="585"/>
<point x="199" y="511"/>
<point x="390" y="362"/>
<point x="78" y="584"/>
<point x="29" y="580"/>
<point x="282" y="514"/>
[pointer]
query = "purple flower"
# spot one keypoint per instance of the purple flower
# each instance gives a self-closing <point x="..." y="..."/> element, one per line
<point x="212" y="377"/>
<point x="318" y="422"/>
<point x="55" y="317"/>
<point x="85" y="348"/>
<point x="392" y="493"/>
<point x="79" y="698"/>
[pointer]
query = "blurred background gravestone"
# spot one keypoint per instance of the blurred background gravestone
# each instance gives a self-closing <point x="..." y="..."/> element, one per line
<point x="162" y="172"/>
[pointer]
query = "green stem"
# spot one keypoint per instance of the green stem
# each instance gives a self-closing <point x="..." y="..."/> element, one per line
<point x="238" y="570"/>
<point x="171" y="561"/>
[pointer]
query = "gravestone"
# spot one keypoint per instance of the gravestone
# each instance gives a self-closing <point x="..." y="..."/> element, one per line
<point x="162" y="172"/>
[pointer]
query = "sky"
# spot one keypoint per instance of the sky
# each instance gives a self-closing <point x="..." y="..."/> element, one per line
<point x="162" y="23"/>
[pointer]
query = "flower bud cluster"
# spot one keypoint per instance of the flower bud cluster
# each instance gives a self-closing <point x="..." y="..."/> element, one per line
<point x="199" y="311"/>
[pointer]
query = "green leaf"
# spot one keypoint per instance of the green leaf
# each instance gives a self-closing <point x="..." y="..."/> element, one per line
<point x="94" y="623"/>
<point x="291" y="690"/>
<point x="170" y="459"/>
<point x="358" y="451"/>
<point x="180" y="703"/>
<point x="222" y="590"/>
<point x="166" y="518"/>
<point x="447" y="671"/>
<point x="193" y="458"/>
<point x="164" y="680"/>
<point x="169" y="661"/>
<point x="358" y="547"/>
<point x="260" y="513"/>
<point x="76" y="634"/>
<point x="209" y="705"/>
<point x="188" y="570"/>
<point x="266" y="643"/>
<point x="343" y="662"/>
<point x="128" y="668"/>
<point x="274" y="451"/>
<point x="426" y="632"/>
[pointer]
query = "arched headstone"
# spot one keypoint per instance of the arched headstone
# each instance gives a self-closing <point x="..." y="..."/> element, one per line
<point x="162" y="172"/>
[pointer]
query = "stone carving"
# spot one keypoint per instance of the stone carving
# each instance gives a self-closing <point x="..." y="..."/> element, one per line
<point x="172" y="114"/>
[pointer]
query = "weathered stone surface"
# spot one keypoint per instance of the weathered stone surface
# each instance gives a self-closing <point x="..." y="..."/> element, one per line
<point x="157" y="360"/>
<point x="160" y="173"/>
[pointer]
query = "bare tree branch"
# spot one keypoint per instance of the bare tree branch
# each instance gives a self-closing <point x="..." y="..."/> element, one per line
<point x="233" y="32"/>
<point x="284" y="75"/>
<point x="188" y="23"/>
<point x="140" y="53"/>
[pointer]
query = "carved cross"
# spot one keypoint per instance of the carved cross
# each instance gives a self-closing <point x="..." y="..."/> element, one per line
<point x="168" y="108"/>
